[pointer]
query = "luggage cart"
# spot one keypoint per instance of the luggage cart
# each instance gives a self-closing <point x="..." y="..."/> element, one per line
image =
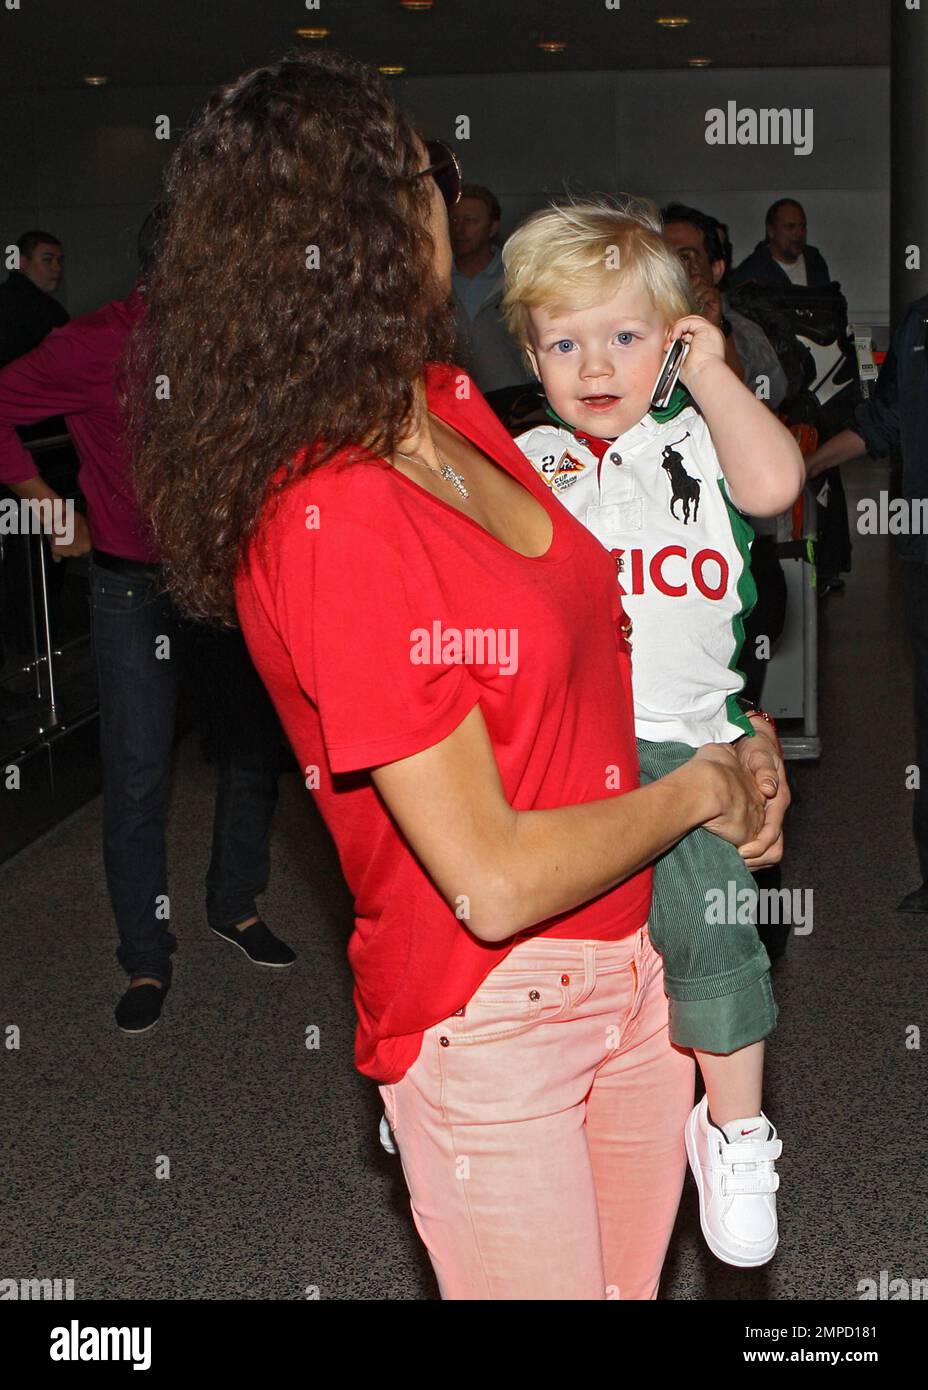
<point x="791" y="683"/>
<point x="47" y="721"/>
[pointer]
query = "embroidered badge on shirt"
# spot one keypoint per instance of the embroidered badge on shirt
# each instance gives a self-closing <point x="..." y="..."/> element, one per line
<point x="683" y="488"/>
<point x="562" y="472"/>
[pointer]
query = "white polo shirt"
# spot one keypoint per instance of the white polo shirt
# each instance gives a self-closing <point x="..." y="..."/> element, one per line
<point x="656" y="500"/>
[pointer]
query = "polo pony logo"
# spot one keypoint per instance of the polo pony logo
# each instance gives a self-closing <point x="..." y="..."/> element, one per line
<point x="683" y="488"/>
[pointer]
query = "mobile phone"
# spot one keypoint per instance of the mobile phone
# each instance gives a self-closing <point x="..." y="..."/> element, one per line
<point x="676" y="356"/>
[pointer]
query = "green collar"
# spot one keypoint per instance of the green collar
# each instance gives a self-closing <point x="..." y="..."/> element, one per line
<point x="678" y="402"/>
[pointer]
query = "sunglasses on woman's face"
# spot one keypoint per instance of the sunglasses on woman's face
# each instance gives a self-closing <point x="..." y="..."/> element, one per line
<point x="445" y="170"/>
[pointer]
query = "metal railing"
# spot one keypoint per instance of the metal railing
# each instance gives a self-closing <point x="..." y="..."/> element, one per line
<point x="44" y="666"/>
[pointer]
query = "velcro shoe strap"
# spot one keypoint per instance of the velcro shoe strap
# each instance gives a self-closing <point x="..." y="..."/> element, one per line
<point x="739" y="1184"/>
<point x="751" y="1152"/>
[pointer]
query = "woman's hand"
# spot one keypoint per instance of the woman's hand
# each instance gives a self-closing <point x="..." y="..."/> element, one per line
<point x="742" y="804"/>
<point x="706" y="343"/>
<point x="761" y="756"/>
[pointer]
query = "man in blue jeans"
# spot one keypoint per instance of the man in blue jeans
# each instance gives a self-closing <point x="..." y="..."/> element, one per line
<point x="139" y="640"/>
<point x="141" y="645"/>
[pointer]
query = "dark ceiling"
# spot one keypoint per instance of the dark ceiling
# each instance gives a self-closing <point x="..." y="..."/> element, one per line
<point x="53" y="43"/>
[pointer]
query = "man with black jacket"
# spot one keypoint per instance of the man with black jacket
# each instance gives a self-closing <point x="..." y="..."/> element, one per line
<point x="784" y="257"/>
<point x="785" y="262"/>
<point x="28" y="313"/>
<point x="896" y="416"/>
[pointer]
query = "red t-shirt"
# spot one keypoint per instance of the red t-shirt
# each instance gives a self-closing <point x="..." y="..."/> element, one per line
<point x="378" y="616"/>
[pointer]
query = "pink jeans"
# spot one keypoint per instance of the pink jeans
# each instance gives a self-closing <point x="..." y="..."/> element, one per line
<point x="540" y="1129"/>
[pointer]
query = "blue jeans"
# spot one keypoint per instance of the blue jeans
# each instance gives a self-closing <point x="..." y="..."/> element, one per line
<point x="141" y="646"/>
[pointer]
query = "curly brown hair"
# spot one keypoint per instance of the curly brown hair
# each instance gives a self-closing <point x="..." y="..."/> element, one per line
<point x="263" y="352"/>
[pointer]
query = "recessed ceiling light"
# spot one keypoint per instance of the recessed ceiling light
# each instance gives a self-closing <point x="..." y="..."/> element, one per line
<point x="700" y="62"/>
<point x="391" y="69"/>
<point x="673" y="21"/>
<point x="311" y="33"/>
<point x="94" y="80"/>
<point x="551" y="45"/>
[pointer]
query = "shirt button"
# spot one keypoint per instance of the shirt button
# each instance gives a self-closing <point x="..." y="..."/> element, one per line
<point x="565" y="979"/>
<point x="534" y="995"/>
<point x="615" y="458"/>
<point x="443" y="1041"/>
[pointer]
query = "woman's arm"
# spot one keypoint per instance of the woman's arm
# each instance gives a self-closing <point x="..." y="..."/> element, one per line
<point x="759" y="457"/>
<point x="505" y="870"/>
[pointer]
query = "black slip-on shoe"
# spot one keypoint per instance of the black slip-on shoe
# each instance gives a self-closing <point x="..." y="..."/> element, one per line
<point x="916" y="901"/>
<point x="259" y="944"/>
<point x="139" y="1009"/>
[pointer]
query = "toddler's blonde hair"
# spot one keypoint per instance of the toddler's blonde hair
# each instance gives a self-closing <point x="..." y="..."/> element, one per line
<point x="574" y="255"/>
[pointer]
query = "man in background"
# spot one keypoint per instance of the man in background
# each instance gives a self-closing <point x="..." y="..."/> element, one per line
<point x="138" y="641"/>
<point x="485" y="347"/>
<point x="785" y="261"/>
<point x="895" y="416"/>
<point x="694" y="235"/>
<point x="28" y="313"/>
<point x="784" y="257"/>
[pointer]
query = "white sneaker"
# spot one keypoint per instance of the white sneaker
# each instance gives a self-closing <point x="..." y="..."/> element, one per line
<point x="736" y="1181"/>
<point x="386" y="1135"/>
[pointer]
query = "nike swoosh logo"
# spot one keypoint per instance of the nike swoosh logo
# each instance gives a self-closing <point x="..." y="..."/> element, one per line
<point x="751" y="1131"/>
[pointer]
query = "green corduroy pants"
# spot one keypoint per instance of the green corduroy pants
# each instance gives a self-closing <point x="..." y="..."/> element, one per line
<point x="716" y="972"/>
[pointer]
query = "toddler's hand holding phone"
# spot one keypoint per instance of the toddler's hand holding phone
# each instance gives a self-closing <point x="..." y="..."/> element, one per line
<point x="705" y="340"/>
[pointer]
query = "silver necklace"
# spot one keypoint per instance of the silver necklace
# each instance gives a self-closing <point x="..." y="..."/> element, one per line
<point x="445" y="471"/>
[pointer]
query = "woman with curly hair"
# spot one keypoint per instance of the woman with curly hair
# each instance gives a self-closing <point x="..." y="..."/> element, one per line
<point x="448" y="653"/>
